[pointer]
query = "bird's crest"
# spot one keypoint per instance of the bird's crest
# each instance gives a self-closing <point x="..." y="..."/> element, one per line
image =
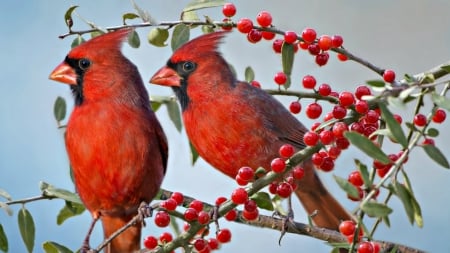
<point x="203" y="44"/>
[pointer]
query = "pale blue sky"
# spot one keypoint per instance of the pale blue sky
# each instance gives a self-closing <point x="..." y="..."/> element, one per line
<point x="407" y="36"/>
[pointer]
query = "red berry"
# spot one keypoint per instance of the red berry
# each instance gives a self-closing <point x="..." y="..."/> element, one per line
<point x="240" y="181"/>
<point x="428" y="141"/>
<point x="326" y="137"/>
<point x="342" y="57"/>
<point x="313" y="110"/>
<point x="190" y="214"/>
<point x="200" y="244"/>
<point x="162" y="219"/>
<point x="346" y="98"/>
<point x="361" y="91"/>
<point x="224" y="235"/>
<point x="254" y="36"/>
<point x="357" y="127"/>
<point x="336" y="41"/>
<point x="313" y="49"/>
<point x="317" y="159"/>
<point x="324" y="89"/>
<point x="360" y="195"/>
<point x="246" y="173"/>
<point x="150" y="242"/>
<point x="290" y="37"/>
<point x="398" y="118"/>
<point x="376" y="247"/>
<point x="278" y="165"/>
<point x="420" y="120"/>
<point x="264" y="18"/>
<point x="361" y="107"/>
<point x="334" y="152"/>
<point x="213" y="243"/>
<point x="231" y="215"/>
<point x="197" y="205"/>
<point x="347" y="227"/>
<point x="322" y="58"/>
<point x="286" y="150"/>
<point x="309" y="35"/>
<point x="342" y="143"/>
<point x="250" y="205"/>
<point x="284" y="190"/>
<point x="355" y="178"/>
<point x="280" y="78"/>
<point x="227" y="24"/>
<point x="250" y="215"/>
<point x="439" y="116"/>
<point x="311" y="138"/>
<point x="339" y="112"/>
<point x="268" y="35"/>
<point x="298" y="173"/>
<point x="324" y="42"/>
<point x="229" y="10"/>
<point x="178" y="197"/>
<point x="295" y="107"/>
<point x="365" y="247"/>
<point x="382" y="172"/>
<point x="220" y="200"/>
<point x="372" y="117"/>
<point x="203" y="217"/>
<point x="303" y="45"/>
<point x="309" y="82"/>
<point x="239" y="196"/>
<point x="315" y="125"/>
<point x="273" y="187"/>
<point x="244" y="25"/>
<point x="169" y="204"/>
<point x="339" y="128"/>
<point x="277" y="44"/>
<point x="389" y="76"/>
<point x="165" y="237"/>
<point x="327" y="164"/>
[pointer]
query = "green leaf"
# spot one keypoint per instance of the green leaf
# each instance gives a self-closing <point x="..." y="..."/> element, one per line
<point x="367" y="146"/>
<point x="249" y="74"/>
<point x="3" y="240"/>
<point x="59" y="109"/>
<point x="68" y="16"/>
<point x="346" y="186"/>
<point x="69" y="210"/>
<point x="189" y="16"/>
<point x="5" y="194"/>
<point x="129" y="16"/>
<point x="446" y="68"/>
<point x="180" y="35"/>
<point x="133" y="39"/>
<point x="404" y="195"/>
<point x="194" y="153"/>
<point x="77" y="41"/>
<point x="6" y="207"/>
<point x="26" y="227"/>
<point x="441" y="101"/>
<point x="374" y="209"/>
<point x="174" y="114"/>
<point x="158" y="36"/>
<point x="434" y="153"/>
<point x="51" y="191"/>
<point x="96" y="33"/>
<point x="364" y="173"/>
<point x="376" y="83"/>
<point x="387" y="221"/>
<point x="207" y="29"/>
<point x="393" y="126"/>
<point x="155" y="105"/>
<point x="53" y="247"/>
<point x="201" y="4"/>
<point x="432" y="132"/>
<point x="263" y="200"/>
<point x="287" y="60"/>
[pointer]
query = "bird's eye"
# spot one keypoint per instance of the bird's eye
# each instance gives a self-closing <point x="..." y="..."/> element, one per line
<point x="188" y="66"/>
<point x="84" y="64"/>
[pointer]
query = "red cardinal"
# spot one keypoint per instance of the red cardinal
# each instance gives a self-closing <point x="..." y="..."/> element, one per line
<point x="233" y="124"/>
<point x="116" y="147"/>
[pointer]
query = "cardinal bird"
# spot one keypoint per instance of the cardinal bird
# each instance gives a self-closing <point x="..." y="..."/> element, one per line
<point x="233" y="124"/>
<point x="116" y="146"/>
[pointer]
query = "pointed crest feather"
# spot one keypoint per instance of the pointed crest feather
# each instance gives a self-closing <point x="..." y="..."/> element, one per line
<point x="203" y="44"/>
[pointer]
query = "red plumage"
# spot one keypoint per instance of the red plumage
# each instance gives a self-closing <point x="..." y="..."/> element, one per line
<point x="233" y="124"/>
<point x="116" y="146"/>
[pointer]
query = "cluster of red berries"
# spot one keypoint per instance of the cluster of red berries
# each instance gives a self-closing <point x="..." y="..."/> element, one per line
<point x="348" y="228"/>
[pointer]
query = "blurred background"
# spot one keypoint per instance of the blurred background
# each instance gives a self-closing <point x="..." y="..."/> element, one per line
<point x="408" y="36"/>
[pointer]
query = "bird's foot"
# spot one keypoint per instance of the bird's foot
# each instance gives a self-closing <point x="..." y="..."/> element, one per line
<point x="285" y="219"/>
<point x="85" y="248"/>
<point x="144" y="211"/>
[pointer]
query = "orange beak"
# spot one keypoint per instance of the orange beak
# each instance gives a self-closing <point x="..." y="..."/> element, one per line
<point x="64" y="73"/>
<point x="167" y="77"/>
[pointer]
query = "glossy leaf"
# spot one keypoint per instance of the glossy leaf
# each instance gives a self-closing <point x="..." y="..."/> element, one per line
<point x="59" y="109"/>
<point x="133" y="39"/>
<point x="69" y="210"/>
<point x="174" y="114"/>
<point x="441" y="101"/>
<point x="129" y="16"/>
<point x="53" y="247"/>
<point x="432" y="132"/>
<point x="404" y="195"/>
<point x="393" y="126"/>
<point x="3" y="240"/>
<point x="364" y="173"/>
<point x="287" y="60"/>
<point x="51" y="191"/>
<point x="26" y="227"/>
<point x="263" y="200"/>
<point x="346" y="186"/>
<point x="68" y="16"/>
<point x="367" y="146"/>
<point x="201" y="4"/>
<point x="158" y="37"/>
<point x="434" y="153"/>
<point x="77" y="41"/>
<point x="249" y="74"/>
<point x="194" y="153"/>
<point x="180" y="35"/>
<point x="374" y="209"/>
<point x="376" y="83"/>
